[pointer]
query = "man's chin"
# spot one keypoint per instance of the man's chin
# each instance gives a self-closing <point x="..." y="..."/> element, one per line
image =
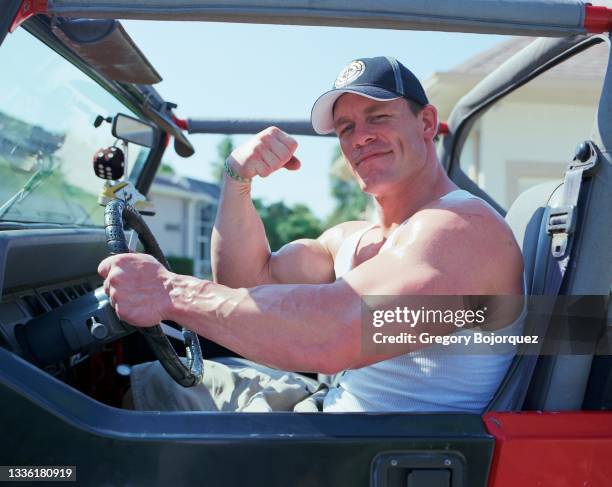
<point x="373" y="188"/>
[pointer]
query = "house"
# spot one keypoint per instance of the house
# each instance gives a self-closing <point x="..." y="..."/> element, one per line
<point x="186" y="210"/>
<point x="522" y="134"/>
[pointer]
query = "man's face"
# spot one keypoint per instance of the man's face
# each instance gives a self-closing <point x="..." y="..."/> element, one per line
<point x="383" y="141"/>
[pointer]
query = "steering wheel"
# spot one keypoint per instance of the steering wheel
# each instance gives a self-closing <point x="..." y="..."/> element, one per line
<point x="117" y="215"/>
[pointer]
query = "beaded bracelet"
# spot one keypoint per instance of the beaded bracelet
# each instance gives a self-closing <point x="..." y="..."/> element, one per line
<point x="233" y="175"/>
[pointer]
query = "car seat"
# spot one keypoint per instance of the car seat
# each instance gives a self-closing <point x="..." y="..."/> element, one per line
<point x="558" y="382"/>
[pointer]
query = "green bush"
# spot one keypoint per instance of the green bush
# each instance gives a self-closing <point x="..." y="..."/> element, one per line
<point x="181" y="265"/>
<point x="285" y="224"/>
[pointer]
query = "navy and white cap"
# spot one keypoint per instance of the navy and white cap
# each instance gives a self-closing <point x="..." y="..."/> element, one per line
<point x="379" y="78"/>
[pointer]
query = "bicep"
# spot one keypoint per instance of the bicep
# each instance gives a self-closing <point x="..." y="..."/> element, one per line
<point x="396" y="272"/>
<point x="304" y="261"/>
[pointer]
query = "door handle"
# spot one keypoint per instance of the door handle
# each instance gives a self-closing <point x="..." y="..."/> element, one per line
<point x="418" y="469"/>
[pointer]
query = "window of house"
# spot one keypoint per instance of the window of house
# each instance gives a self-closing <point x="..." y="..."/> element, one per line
<point x="205" y="219"/>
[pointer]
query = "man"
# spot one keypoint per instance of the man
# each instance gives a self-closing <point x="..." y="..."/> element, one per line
<point x="299" y="309"/>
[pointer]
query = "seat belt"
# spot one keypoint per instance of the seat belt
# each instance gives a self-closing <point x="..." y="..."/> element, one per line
<point x="561" y="219"/>
<point x="553" y="256"/>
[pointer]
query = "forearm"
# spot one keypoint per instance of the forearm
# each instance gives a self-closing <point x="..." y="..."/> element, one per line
<point x="308" y="328"/>
<point x="239" y="247"/>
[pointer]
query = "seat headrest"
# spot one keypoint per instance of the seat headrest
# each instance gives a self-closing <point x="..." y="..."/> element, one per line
<point x="525" y="219"/>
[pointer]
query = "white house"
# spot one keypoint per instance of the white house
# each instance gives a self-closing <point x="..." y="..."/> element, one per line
<point x="530" y="135"/>
<point x="185" y="216"/>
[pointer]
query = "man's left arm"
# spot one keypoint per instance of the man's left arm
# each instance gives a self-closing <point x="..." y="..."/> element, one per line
<point x="315" y="327"/>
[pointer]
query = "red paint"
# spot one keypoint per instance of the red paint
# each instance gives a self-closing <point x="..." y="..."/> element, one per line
<point x="28" y="9"/>
<point x="180" y="123"/>
<point x="443" y="128"/>
<point x="597" y="19"/>
<point x="551" y="449"/>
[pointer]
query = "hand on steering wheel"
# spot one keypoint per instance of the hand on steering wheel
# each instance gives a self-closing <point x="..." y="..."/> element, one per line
<point x="117" y="214"/>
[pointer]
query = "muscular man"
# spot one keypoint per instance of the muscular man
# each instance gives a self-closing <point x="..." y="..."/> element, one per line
<point x="299" y="309"/>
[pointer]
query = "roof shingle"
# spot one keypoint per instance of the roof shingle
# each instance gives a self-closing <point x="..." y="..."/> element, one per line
<point x="589" y="64"/>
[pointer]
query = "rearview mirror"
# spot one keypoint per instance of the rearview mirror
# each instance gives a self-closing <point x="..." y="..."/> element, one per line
<point x="134" y="130"/>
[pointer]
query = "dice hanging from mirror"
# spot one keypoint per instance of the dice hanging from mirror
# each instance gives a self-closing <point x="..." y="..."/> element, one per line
<point x="109" y="163"/>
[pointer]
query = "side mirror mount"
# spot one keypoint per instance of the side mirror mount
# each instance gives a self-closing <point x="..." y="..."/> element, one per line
<point x="133" y="130"/>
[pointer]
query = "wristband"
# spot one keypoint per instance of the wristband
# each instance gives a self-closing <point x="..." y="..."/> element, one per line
<point x="233" y="175"/>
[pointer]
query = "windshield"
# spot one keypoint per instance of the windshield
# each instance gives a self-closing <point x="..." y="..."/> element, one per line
<point x="47" y="136"/>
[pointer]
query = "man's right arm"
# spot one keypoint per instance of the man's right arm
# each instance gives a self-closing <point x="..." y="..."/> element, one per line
<point x="241" y="255"/>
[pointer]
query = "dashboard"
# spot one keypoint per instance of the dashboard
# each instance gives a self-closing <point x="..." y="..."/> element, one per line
<point x="52" y="306"/>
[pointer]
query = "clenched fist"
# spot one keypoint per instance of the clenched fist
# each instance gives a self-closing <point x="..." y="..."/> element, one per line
<point x="268" y="151"/>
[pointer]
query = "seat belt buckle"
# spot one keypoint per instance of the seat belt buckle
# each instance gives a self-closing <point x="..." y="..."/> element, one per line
<point x="561" y="219"/>
<point x="561" y="223"/>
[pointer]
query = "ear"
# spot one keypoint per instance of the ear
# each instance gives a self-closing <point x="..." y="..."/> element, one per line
<point x="429" y="115"/>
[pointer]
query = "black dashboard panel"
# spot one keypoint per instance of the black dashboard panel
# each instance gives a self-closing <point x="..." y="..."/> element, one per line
<point x="45" y="269"/>
<point x="35" y="258"/>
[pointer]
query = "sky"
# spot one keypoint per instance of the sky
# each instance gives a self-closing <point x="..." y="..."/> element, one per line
<point x="219" y="70"/>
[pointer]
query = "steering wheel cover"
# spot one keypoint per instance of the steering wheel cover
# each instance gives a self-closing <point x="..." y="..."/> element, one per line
<point x="116" y="215"/>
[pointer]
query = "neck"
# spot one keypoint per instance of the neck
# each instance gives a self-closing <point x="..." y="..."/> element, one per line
<point x="430" y="184"/>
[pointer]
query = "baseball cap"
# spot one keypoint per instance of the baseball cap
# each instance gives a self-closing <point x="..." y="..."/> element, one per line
<point x="378" y="78"/>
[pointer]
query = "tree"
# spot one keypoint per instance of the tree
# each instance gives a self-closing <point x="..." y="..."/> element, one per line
<point x="284" y="224"/>
<point x="300" y="223"/>
<point x="166" y="169"/>
<point x="351" y="201"/>
<point x="224" y="149"/>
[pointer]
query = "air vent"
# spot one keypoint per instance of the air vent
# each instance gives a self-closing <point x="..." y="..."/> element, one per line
<point x="70" y="292"/>
<point x="61" y="296"/>
<point x="54" y="298"/>
<point x="34" y="305"/>
<point x="51" y="300"/>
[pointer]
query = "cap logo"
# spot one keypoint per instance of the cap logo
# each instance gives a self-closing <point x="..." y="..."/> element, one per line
<point x="349" y="74"/>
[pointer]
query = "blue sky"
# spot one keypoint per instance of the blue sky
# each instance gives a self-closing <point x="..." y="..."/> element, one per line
<point x="244" y="71"/>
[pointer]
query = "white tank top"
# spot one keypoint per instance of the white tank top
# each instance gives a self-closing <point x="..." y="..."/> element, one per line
<point x="430" y="379"/>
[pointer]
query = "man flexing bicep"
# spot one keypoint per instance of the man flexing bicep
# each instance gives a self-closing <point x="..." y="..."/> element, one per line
<point x="292" y="309"/>
<point x="241" y="255"/>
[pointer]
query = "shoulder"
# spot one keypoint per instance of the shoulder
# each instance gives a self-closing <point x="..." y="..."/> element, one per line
<point x="333" y="237"/>
<point x="466" y="236"/>
<point x="471" y="219"/>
